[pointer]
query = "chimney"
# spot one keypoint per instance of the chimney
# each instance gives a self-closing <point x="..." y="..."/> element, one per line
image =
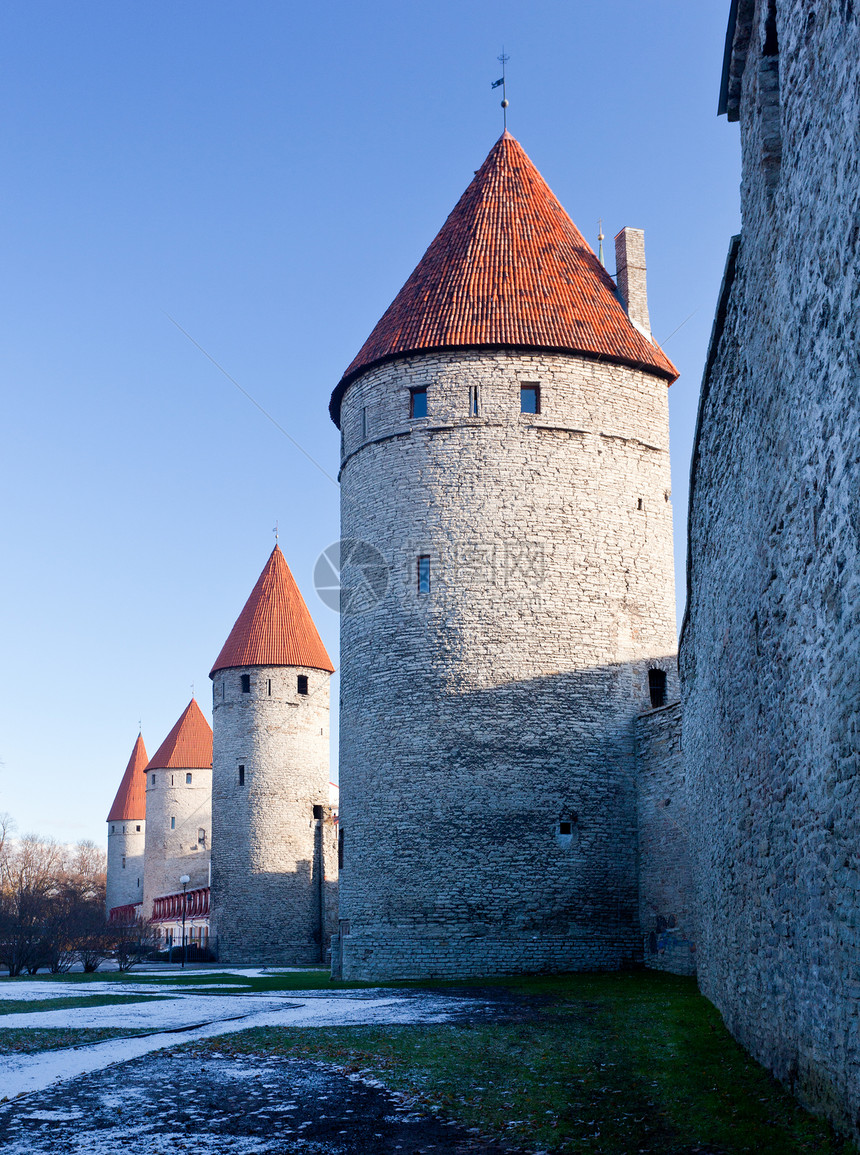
<point x="630" y="263"/>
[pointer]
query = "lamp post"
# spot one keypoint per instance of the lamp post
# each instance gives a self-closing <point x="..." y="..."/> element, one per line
<point x="184" y="880"/>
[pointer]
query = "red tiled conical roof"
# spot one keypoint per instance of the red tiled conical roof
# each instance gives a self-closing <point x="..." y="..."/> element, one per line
<point x="188" y="745"/>
<point x="130" y="801"/>
<point x="275" y="628"/>
<point x="508" y="269"/>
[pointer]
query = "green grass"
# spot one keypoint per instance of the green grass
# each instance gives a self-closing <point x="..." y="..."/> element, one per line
<point x="23" y="1041"/>
<point x="25" y="1006"/>
<point x="606" y="1064"/>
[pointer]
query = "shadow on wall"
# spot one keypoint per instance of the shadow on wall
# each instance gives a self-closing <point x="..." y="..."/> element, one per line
<point x="518" y="809"/>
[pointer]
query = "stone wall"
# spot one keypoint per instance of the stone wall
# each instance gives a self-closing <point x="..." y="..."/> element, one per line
<point x="772" y="640"/>
<point x="488" y="788"/>
<point x="126" y="840"/>
<point x="666" y="905"/>
<point x="176" y="811"/>
<point x="274" y="852"/>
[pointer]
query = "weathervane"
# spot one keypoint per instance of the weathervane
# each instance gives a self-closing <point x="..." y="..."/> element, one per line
<point x="600" y="239"/>
<point x="275" y="532"/>
<point x="500" y="83"/>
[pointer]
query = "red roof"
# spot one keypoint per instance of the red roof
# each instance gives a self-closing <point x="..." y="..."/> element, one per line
<point x="188" y="745"/>
<point x="508" y="269"/>
<point x="130" y="801"/>
<point x="275" y="628"/>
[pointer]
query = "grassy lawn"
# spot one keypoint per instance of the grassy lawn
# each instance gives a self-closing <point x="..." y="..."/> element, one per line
<point x="606" y="1064"/>
<point x="25" y="1006"/>
<point x="24" y="1041"/>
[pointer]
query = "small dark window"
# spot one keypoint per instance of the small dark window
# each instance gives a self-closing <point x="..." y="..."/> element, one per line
<point x="113" y="828"/>
<point x="172" y="823"/>
<point x="270" y="687"/>
<point x="153" y="780"/>
<point x="473" y="400"/>
<point x="302" y="683"/>
<point x="565" y="828"/>
<point x="241" y="775"/>
<point x="657" y="687"/>
<point x="187" y="779"/>
<point x="123" y="828"/>
<point x="340" y="849"/>
<point x="246" y="683"/>
<point x="530" y="399"/>
<point x="137" y="828"/>
<point x="639" y="504"/>
<point x="424" y="574"/>
<point x="418" y="403"/>
<point x="201" y="836"/>
<point x="317" y="812"/>
<point x="364" y="425"/>
<point x="123" y="862"/>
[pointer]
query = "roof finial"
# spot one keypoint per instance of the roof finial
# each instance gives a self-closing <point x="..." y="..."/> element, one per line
<point x="600" y="239"/>
<point x="192" y="690"/>
<point x="501" y="81"/>
<point x="140" y="725"/>
<point x="275" y="532"/>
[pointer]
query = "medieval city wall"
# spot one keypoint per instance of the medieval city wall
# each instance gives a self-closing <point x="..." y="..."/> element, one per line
<point x="125" y="851"/>
<point x="770" y="650"/>
<point x="488" y="788"/>
<point x="177" y="811"/>
<point x="274" y="854"/>
<point x="666" y="904"/>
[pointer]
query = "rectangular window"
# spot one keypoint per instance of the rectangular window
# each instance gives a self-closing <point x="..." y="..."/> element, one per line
<point x="123" y="862"/>
<point x="473" y="400"/>
<point x="153" y="780"/>
<point x="364" y="425"/>
<point x="172" y="823"/>
<point x="246" y="683"/>
<point x="187" y="779"/>
<point x="424" y="574"/>
<point x="137" y="828"/>
<point x="318" y="813"/>
<point x="657" y="687"/>
<point x="418" y="403"/>
<point x="270" y="687"/>
<point x="201" y="836"/>
<point x="241" y="775"/>
<point x="113" y="828"/>
<point x="530" y="399"/>
<point x="302" y="683"/>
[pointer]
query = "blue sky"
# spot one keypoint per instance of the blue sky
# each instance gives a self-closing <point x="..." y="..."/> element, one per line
<point x="268" y="174"/>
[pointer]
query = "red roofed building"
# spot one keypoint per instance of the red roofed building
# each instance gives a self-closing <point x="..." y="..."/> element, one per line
<point x="179" y="823"/>
<point x="127" y="832"/>
<point x="274" y="849"/>
<point x="505" y="459"/>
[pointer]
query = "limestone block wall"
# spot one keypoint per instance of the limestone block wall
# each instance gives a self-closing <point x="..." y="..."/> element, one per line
<point x="770" y="648"/>
<point x="667" y="908"/>
<point x="274" y="862"/>
<point x="177" y="810"/>
<point x="488" y="799"/>
<point x="126" y="841"/>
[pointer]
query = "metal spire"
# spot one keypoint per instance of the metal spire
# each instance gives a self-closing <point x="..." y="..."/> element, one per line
<point x="501" y="82"/>
<point x="600" y="239"/>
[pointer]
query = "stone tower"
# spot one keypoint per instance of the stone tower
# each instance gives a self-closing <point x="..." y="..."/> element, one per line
<point x="274" y="865"/>
<point x="127" y="833"/>
<point x="505" y="465"/>
<point x="179" y="809"/>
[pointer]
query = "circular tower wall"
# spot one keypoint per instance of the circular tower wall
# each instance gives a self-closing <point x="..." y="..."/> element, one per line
<point x="487" y="761"/>
<point x="271" y="818"/>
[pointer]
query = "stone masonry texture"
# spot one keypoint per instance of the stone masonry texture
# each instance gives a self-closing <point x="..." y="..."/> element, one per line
<point x="666" y="908"/>
<point x="488" y="785"/>
<point x="771" y="647"/>
<point x="176" y="812"/>
<point x="274" y="851"/>
<point x="126" y="840"/>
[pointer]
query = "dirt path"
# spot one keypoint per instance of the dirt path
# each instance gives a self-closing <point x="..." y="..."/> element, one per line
<point x="176" y="1101"/>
